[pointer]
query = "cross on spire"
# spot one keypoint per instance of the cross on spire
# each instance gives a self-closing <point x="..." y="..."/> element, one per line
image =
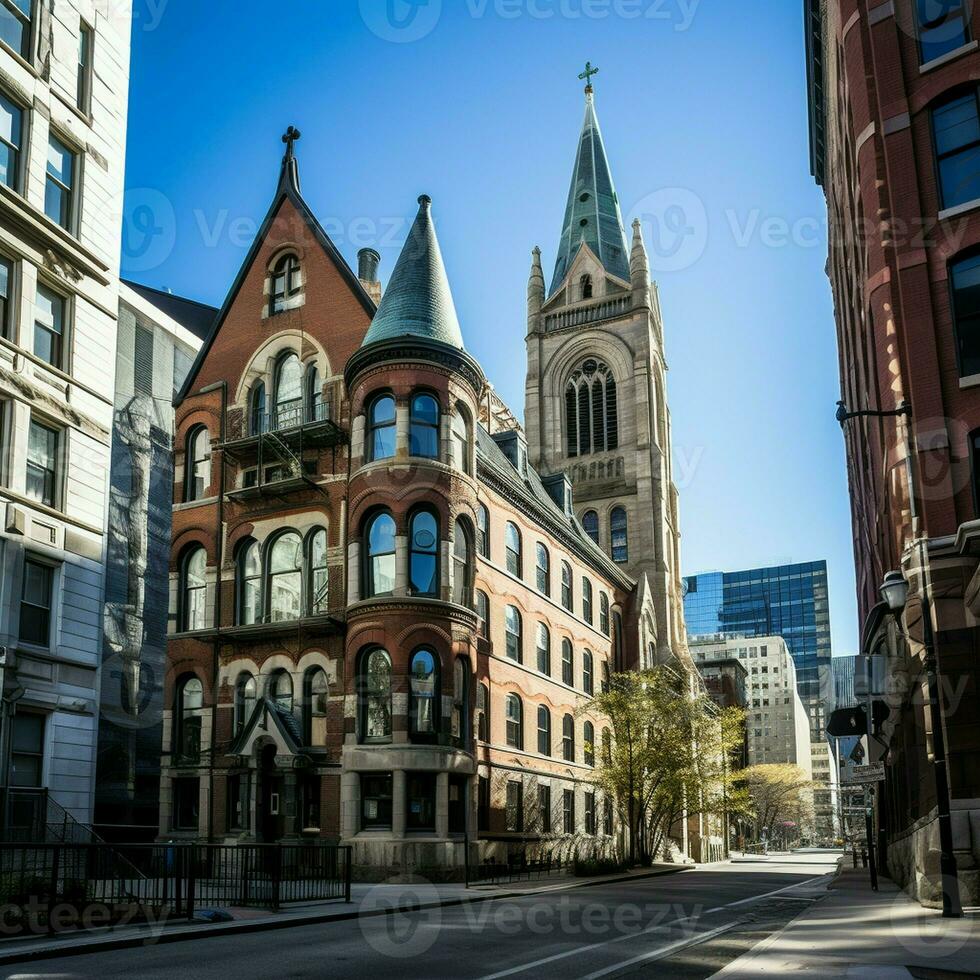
<point x="587" y="76"/>
<point x="291" y="136"/>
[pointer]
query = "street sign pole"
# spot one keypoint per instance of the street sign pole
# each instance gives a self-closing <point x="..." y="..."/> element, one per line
<point x="869" y="829"/>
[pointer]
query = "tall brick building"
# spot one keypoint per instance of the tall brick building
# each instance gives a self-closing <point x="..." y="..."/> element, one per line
<point x="385" y="624"/>
<point x="895" y="130"/>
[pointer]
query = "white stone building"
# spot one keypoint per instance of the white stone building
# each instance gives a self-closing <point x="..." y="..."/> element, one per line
<point x="776" y="721"/>
<point x="64" y="77"/>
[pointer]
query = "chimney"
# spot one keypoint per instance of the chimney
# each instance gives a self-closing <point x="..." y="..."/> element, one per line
<point x="367" y="271"/>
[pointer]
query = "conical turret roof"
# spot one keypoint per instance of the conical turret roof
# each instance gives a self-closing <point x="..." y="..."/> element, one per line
<point x="592" y="213"/>
<point x="417" y="301"/>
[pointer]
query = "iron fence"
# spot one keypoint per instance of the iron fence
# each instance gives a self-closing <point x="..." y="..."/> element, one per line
<point x="518" y="867"/>
<point x="167" y="878"/>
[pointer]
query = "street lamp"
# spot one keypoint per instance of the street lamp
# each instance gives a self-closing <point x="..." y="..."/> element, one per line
<point x="894" y="592"/>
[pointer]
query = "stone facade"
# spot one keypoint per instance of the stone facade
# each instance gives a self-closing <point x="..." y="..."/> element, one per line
<point x="904" y="232"/>
<point x="64" y="78"/>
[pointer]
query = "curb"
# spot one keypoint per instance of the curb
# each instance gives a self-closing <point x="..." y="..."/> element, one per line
<point x="190" y="932"/>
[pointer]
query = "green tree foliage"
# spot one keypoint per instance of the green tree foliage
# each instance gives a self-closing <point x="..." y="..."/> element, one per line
<point x="780" y="795"/>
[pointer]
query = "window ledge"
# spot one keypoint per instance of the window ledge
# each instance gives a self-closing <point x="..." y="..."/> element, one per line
<point x="959" y="209"/>
<point x="970" y="381"/>
<point x="948" y="57"/>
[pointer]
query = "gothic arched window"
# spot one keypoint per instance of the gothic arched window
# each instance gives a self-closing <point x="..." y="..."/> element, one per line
<point x="281" y="690"/>
<point x="619" y="535"/>
<point x="374" y="695"/>
<point x="586" y="286"/>
<point x="316" y="695"/>
<point x="288" y="394"/>
<point x="245" y="698"/>
<point x="188" y="718"/>
<point x="591" y="410"/>
<point x="283" y="284"/>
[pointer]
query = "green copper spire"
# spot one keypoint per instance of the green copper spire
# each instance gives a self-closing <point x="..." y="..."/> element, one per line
<point x="418" y="301"/>
<point x="592" y="213"/>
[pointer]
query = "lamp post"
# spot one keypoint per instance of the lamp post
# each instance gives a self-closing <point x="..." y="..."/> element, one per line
<point x="894" y="591"/>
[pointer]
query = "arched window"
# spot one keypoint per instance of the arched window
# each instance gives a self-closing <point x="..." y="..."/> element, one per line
<point x="249" y="583"/>
<point x="245" y="698"/>
<point x="543" y="569"/>
<point x="193" y="590"/>
<point x="591" y="410"/>
<point x="285" y="578"/>
<point x="318" y="578"/>
<point x="379" y="564"/>
<point x="588" y="743"/>
<point x="423" y="427"/>
<point x="483" y="713"/>
<point x="316" y="695"/>
<point x="566" y="586"/>
<point x="423" y="708"/>
<point x="604" y="683"/>
<point x="604" y="613"/>
<point x="188" y="714"/>
<point x="606" y="747"/>
<point x="483" y="530"/>
<point x="512" y="541"/>
<point x="567" y="663"/>
<point x="461" y="697"/>
<point x="198" y="463"/>
<point x="588" y="676"/>
<point x="281" y="690"/>
<point x="315" y="407"/>
<point x="544" y="730"/>
<point x="374" y="695"/>
<point x="288" y="392"/>
<point x="590" y="521"/>
<point x="461" y="440"/>
<point x="257" y="422"/>
<point x="423" y="554"/>
<point x="483" y="614"/>
<point x="512" y="626"/>
<point x="586" y="600"/>
<point x="618" y="535"/>
<point x="462" y="566"/>
<point x="544" y="649"/>
<point x="568" y="738"/>
<point x="283" y="284"/>
<point x="585" y="285"/>
<point x="515" y="722"/>
<point x="380" y="441"/>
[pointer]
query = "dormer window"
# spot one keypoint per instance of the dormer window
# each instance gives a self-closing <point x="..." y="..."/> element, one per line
<point x="586" y="286"/>
<point x="284" y="284"/>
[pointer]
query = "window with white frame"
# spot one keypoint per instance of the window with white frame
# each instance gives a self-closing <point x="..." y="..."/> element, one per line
<point x="42" y="482"/>
<point x="17" y="25"/>
<point x="11" y="138"/>
<point x="37" y="598"/>
<point x="50" y="316"/>
<point x="61" y="179"/>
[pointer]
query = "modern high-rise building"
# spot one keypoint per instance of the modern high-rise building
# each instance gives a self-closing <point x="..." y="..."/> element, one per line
<point x="159" y="336"/>
<point x="785" y="600"/>
<point x="894" y="109"/>
<point x="843" y="673"/>
<point x="64" y="80"/>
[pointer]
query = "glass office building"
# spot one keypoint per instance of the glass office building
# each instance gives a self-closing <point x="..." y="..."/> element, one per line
<point x="786" y="600"/>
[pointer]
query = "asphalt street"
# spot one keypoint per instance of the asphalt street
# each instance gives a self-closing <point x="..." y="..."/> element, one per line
<point x="683" y="925"/>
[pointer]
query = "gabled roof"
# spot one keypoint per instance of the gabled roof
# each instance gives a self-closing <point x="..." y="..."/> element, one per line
<point x="592" y="214"/>
<point x="283" y="721"/>
<point x="196" y="317"/>
<point x="288" y="189"/>
<point x="418" y="301"/>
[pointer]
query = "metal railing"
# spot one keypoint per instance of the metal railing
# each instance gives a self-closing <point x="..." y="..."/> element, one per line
<point x="290" y="416"/>
<point x="172" y="879"/>
<point x="518" y="867"/>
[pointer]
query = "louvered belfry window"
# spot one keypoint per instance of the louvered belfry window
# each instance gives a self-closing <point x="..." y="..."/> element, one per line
<point x="591" y="410"/>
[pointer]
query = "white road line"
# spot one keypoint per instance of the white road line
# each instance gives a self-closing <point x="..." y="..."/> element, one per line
<point x="633" y="935"/>
<point x="659" y="954"/>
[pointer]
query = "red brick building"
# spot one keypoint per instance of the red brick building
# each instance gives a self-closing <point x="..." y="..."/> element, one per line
<point x="895" y="131"/>
<point x="385" y="624"/>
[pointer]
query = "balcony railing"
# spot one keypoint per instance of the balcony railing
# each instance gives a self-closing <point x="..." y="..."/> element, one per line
<point x="606" y="309"/>
<point x="290" y="416"/>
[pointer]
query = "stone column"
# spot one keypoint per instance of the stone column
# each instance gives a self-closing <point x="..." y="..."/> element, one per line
<point x="401" y="431"/>
<point x="289" y="804"/>
<point x="350" y="804"/>
<point x="401" y="565"/>
<point x="354" y="572"/>
<point x="442" y="804"/>
<point x="398" y="803"/>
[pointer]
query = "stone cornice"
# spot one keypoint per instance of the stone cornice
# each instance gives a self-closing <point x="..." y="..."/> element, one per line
<point x="408" y="348"/>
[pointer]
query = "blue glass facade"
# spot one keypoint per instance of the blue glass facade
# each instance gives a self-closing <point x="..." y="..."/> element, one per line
<point x="786" y="600"/>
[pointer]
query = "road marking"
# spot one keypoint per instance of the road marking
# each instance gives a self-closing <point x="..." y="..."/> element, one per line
<point x="644" y="932"/>
<point x="659" y="954"/>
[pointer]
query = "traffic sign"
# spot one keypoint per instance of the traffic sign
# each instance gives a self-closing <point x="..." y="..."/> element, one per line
<point x="873" y="773"/>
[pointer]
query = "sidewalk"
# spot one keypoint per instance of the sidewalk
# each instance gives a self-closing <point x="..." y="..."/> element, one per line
<point x="366" y="900"/>
<point x="855" y="932"/>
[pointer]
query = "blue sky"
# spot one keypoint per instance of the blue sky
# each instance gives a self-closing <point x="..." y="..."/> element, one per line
<point x="477" y="103"/>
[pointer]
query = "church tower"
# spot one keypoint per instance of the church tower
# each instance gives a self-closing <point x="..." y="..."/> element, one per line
<point x="595" y="399"/>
